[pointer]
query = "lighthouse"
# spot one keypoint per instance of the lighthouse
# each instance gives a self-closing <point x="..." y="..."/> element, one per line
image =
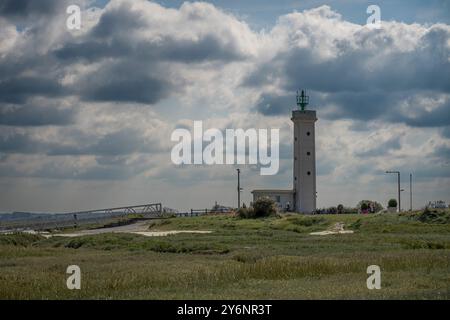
<point x="304" y="155"/>
<point x="302" y="197"/>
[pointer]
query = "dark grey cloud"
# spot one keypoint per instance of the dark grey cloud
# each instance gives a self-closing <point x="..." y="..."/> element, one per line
<point x="57" y="170"/>
<point x="286" y="150"/>
<point x="111" y="160"/>
<point x="208" y="48"/>
<point x="426" y="68"/>
<point x="275" y="105"/>
<point x="263" y="74"/>
<point x="112" y="152"/>
<point x="36" y="18"/>
<point x="25" y="8"/>
<point x="437" y="117"/>
<point x="14" y="142"/>
<point x="430" y="172"/>
<point x="345" y="87"/>
<point x="35" y="115"/>
<point x="364" y="106"/>
<point x="446" y="132"/>
<point x="166" y="48"/>
<point x="91" y="50"/>
<point x="16" y="66"/>
<point x="125" y="81"/>
<point x="360" y="126"/>
<point x="133" y="68"/>
<point x="362" y="168"/>
<point x="381" y="149"/>
<point x="371" y="105"/>
<point x="96" y="172"/>
<point x="442" y="152"/>
<point x="325" y="166"/>
<point x="338" y="105"/>
<point x="106" y="173"/>
<point x="122" y="142"/>
<point x="126" y="141"/>
<point x="208" y="45"/>
<point x="19" y="89"/>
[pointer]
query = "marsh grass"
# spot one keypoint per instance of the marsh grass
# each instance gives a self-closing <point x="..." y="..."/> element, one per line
<point x="271" y="258"/>
<point x="19" y="239"/>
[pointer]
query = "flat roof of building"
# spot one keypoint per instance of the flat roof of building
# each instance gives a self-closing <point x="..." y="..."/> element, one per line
<point x="272" y="191"/>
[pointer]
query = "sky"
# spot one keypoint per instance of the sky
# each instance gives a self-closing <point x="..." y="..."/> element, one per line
<point x="86" y="115"/>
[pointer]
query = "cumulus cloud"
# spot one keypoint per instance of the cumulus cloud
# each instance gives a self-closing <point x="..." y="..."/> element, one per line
<point x="100" y="103"/>
<point x="353" y="72"/>
<point x="136" y="44"/>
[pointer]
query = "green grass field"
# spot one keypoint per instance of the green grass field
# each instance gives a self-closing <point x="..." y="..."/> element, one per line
<point x="271" y="258"/>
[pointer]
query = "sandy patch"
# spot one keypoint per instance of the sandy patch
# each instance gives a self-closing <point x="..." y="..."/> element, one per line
<point x="324" y="233"/>
<point x="140" y="227"/>
<point x="142" y="233"/>
<point x="338" y="228"/>
<point x="42" y="233"/>
<point x="166" y="233"/>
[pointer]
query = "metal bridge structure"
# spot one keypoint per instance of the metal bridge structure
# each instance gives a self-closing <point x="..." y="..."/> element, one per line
<point x="74" y="219"/>
<point x="147" y="210"/>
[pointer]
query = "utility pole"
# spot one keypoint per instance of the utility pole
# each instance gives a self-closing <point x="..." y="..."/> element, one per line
<point x="410" y="192"/>
<point x="398" y="179"/>
<point x="239" y="188"/>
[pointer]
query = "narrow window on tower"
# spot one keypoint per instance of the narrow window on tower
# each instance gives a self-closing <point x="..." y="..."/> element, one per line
<point x="309" y="173"/>
<point x="308" y="153"/>
<point x="308" y="133"/>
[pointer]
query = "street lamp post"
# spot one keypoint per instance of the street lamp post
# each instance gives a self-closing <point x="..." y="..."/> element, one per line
<point x="410" y="192"/>
<point x="398" y="179"/>
<point x="239" y="188"/>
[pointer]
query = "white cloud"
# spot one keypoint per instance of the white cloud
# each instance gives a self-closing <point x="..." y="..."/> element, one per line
<point x="138" y="69"/>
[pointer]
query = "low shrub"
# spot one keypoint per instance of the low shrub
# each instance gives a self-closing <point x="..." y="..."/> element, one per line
<point x="356" y="225"/>
<point x="392" y="203"/>
<point x="433" y="216"/>
<point x="246" y="213"/>
<point x="264" y="207"/>
<point x="20" y="239"/>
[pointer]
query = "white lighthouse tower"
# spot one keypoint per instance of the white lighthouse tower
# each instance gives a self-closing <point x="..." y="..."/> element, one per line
<point x="304" y="156"/>
<point x="302" y="197"/>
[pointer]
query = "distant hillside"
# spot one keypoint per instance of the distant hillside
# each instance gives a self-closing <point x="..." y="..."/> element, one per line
<point x="21" y="216"/>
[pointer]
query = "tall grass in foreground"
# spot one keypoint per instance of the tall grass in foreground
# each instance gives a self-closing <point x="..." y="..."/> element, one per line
<point x="273" y="258"/>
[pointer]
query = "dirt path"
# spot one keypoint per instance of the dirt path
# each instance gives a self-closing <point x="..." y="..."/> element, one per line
<point x="140" y="227"/>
